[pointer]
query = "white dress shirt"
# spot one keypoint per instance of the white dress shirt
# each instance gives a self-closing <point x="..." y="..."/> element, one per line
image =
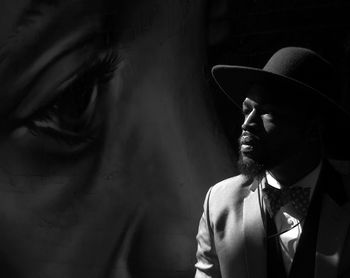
<point x="287" y="220"/>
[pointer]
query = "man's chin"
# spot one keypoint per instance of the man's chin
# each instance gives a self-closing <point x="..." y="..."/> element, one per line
<point x="249" y="166"/>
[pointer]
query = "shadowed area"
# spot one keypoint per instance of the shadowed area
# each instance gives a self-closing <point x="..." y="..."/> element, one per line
<point x="128" y="204"/>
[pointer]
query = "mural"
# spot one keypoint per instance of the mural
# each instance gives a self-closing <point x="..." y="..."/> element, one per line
<point x="110" y="138"/>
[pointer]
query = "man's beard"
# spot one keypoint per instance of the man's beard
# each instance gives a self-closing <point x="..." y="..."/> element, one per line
<point x="251" y="165"/>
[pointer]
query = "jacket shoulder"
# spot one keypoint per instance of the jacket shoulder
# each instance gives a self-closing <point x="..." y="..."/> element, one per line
<point x="229" y="191"/>
<point x="232" y="185"/>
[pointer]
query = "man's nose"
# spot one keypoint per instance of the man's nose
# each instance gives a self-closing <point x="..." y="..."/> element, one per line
<point x="250" y="120"/>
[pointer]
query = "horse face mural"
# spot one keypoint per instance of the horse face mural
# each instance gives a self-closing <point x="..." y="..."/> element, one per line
<point x="108" y="139"/>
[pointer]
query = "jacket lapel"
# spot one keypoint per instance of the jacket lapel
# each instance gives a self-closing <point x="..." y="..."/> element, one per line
<point x="333" y="225"/>
<point x="254" y="233"/>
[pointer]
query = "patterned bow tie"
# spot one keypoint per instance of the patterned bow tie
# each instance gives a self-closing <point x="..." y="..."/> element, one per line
<point x="298" y="197"/>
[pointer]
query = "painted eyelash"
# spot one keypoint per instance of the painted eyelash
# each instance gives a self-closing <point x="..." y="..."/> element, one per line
<point x="62" y="137"/>
<point x="104" y="67"/>
<point x="101" y="70"/>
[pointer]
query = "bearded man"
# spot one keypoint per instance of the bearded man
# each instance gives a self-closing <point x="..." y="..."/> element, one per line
<point x="288" y="213"/>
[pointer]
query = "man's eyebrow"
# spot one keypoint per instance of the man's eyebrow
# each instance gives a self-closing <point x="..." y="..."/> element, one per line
<point x="248" y="102"/>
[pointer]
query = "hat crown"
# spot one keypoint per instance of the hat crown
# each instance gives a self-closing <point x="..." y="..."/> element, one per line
<point x="303" y="66"/>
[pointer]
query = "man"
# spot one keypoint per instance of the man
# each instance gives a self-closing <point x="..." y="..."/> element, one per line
<point x="288" y="213"/>
<point x="99" y="167"/>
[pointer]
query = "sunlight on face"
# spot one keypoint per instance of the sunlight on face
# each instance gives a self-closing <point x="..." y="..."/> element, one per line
<point x="274" y="128"/>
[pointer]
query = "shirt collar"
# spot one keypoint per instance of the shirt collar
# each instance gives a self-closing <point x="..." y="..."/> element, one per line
<point x="309" y="180"/>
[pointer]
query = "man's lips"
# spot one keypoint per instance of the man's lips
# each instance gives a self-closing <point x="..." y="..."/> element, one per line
<point x="248" y="142"/>
<point x="246" y="148"/>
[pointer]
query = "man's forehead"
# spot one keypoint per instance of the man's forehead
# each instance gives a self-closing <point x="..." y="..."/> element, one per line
<point x="261" y="92"/>
<point x="274" y="94"/>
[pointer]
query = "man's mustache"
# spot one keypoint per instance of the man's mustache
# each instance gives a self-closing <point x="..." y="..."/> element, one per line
<point x="248" y="138"/>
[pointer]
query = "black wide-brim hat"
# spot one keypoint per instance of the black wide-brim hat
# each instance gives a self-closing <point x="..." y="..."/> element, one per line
<point x="307" y="74"/>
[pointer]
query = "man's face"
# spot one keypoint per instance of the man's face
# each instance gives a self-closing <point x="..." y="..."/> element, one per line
<point x="273" y="129"/>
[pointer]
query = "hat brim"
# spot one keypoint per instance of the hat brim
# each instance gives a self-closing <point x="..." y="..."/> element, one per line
<point x="234" y="81"/>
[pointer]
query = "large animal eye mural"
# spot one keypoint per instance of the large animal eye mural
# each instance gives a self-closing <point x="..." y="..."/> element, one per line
<point x="107" y="128"/>
<point x="72" y="115"/>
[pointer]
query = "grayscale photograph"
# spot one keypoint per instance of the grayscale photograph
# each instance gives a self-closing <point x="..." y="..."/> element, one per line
<point x="174" y="139"/>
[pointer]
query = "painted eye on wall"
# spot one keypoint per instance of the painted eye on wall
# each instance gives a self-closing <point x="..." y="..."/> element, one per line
<point x="71" y="116"/>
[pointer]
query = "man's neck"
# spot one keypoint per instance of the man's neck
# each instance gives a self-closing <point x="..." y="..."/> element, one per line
<point x="293" y="169"/>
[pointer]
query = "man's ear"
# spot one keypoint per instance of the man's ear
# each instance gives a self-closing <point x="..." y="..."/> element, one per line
<point x="315" y="131"/>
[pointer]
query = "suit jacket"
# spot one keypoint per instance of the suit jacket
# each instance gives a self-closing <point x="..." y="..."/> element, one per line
<point x="231" y="234"/>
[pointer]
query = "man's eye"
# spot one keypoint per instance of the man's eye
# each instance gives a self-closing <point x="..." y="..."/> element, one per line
<point x="245" y="111"/>
<point x="71" y="117"/>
